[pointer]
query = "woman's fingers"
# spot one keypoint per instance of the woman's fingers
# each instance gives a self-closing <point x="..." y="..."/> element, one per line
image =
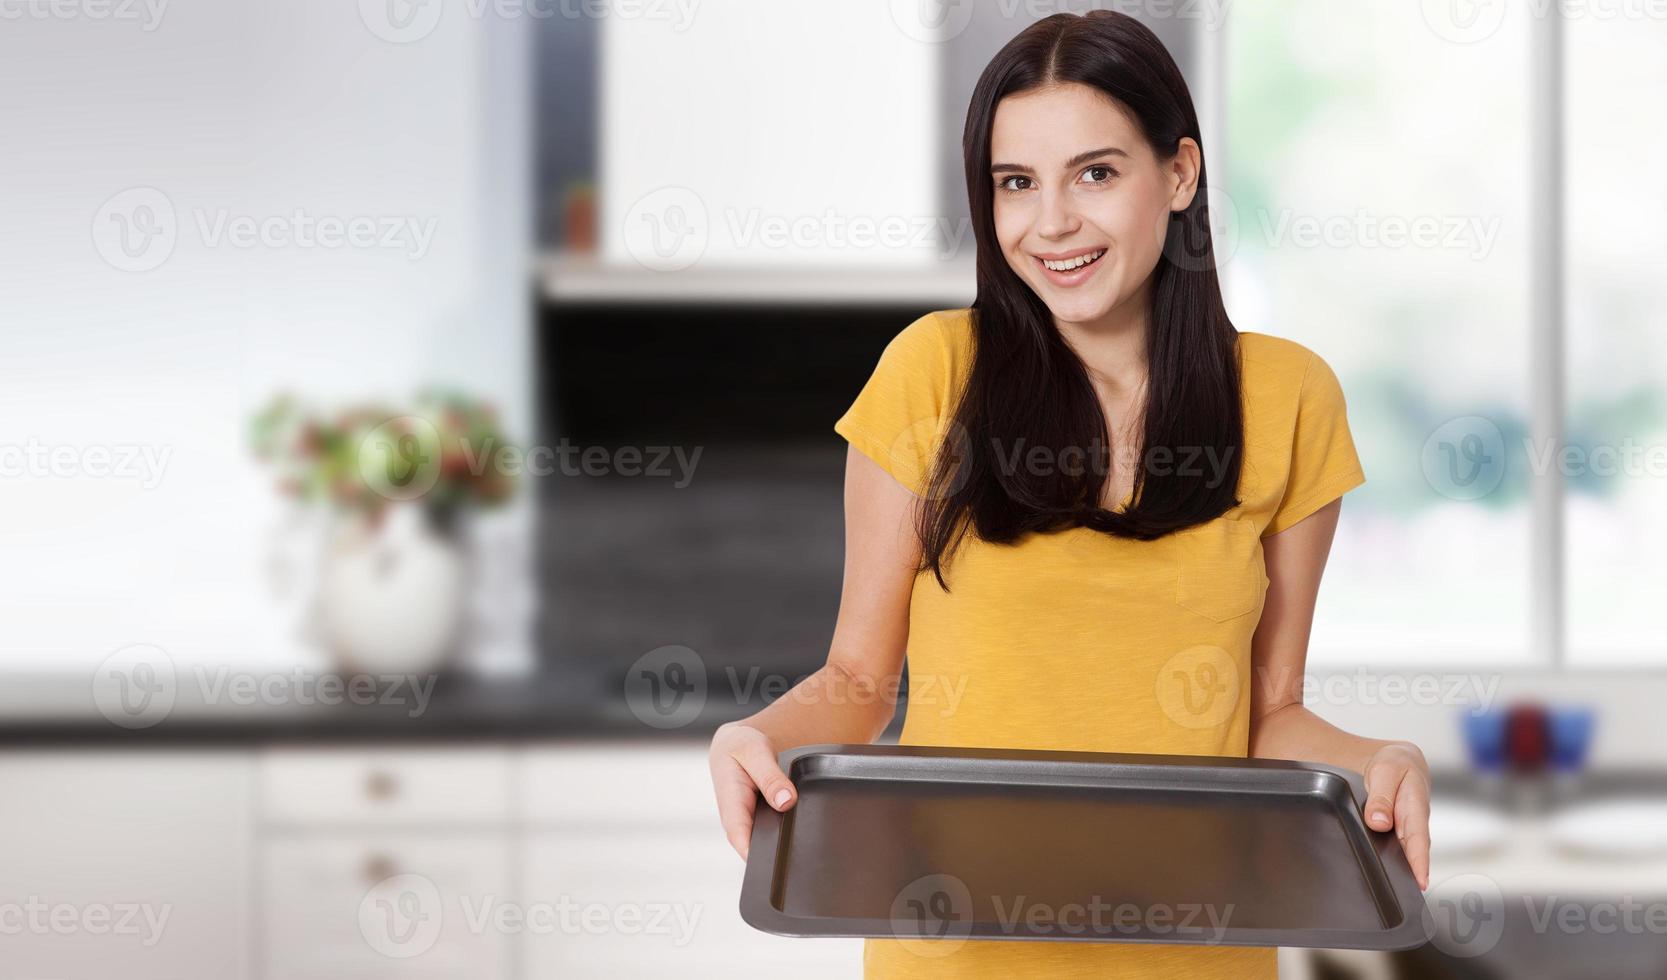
<point x="1412" y="824"/>
<point x="743" y="764"/>
<point x="736" y="799"/>
<point x="1398" y="797"/>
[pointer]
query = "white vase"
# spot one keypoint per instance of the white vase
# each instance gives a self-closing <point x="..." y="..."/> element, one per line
<point x="391" y="596"/>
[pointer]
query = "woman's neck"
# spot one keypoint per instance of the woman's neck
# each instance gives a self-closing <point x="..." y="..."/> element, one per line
<point x="1113" y="348"/>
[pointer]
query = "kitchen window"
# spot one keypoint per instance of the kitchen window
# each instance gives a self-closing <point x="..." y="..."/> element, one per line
<point x="1407" y="194"/>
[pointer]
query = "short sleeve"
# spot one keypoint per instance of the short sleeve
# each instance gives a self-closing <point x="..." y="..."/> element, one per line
<point x="1324" y="464"/>
<point x="900" y="415"/>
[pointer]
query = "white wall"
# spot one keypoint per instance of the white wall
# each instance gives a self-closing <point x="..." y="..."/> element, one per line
<point x="234" y="108"/>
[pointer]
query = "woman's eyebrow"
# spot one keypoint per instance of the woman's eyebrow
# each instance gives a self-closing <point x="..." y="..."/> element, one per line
<point x="1080" y="158"/>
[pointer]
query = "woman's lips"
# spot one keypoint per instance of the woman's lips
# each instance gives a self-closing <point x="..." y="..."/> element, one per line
<point x="1073" y="277"/>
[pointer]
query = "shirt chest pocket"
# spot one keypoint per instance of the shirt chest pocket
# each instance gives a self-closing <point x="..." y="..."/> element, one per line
<point x="1219" y="571"/>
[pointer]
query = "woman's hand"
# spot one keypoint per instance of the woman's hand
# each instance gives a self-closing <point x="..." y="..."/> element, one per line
<point x="1398" y="798"/>
<point x="743" y="764"/>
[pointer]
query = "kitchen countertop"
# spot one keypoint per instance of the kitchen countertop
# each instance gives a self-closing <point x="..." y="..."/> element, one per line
<point x="55" y="710"/>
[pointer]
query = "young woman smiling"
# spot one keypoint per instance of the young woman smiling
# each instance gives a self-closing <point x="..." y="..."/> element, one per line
<point x="1156" y="598"/>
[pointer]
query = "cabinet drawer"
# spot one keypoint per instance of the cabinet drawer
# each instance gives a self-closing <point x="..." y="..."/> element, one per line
<point x="369" y="907"/>
<point x="385" y="787"/>
<point x="619" y="785"/>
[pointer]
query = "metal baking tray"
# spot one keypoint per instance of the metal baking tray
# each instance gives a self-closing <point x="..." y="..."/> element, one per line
<point x="921" y="843"/>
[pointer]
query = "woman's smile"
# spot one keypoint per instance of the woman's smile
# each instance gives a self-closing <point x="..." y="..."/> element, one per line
<point x="1071" y="268"/>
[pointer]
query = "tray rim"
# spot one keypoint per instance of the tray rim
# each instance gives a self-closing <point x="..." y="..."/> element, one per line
<point x="1415" y="929"/>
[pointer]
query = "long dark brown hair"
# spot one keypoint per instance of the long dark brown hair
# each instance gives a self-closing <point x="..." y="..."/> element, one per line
<point x="1028" y="390"/>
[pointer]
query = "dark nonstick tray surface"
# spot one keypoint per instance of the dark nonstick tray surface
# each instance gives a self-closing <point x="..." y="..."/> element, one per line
<point x="921" y="843"/>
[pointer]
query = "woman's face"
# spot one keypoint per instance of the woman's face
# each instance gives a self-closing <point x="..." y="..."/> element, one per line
<point x="1076" y="181"/>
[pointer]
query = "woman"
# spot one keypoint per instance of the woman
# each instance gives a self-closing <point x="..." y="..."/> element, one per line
<point x="1089" y="499"/>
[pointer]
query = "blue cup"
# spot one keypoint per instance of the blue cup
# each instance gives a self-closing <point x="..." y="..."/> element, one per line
<point x="1484" y="738"/>
<point x="1571" y="735"/>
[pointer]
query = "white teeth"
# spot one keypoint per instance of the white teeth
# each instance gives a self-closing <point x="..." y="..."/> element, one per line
<point x="1076" y="263"/>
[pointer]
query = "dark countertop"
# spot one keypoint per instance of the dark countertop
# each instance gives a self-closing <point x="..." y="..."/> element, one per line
<point x="54" y="710"/>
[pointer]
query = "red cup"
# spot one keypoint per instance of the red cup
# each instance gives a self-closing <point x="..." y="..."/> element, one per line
<point x="1527" y="737"/>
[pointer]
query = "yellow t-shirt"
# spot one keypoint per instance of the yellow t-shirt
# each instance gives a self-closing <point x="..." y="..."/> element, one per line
<point x="1079" y="641"/>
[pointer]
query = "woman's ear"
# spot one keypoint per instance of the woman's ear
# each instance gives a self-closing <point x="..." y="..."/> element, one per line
<point x="1183" y="174"/>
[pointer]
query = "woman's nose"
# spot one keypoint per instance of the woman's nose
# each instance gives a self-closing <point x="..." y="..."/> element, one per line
<point x="1058" y="218"/>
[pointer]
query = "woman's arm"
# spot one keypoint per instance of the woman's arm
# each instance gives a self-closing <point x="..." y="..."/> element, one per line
<point x="853" y="697"/>
<point x="1397" y="777"/>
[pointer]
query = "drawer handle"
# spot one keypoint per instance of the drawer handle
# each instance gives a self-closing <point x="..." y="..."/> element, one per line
<point x="379" y="867"/>
<point x="381" y="786"/>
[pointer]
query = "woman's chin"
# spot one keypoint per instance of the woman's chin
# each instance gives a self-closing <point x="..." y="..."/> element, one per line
<point x="1077" y="309"/>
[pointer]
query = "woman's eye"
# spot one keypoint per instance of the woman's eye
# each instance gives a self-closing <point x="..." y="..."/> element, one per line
<point x="1098" y="175"/>
<point x="1008" y="183"/>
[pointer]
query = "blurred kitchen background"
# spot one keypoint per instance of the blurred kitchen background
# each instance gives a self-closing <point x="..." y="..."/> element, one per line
<point x="417" y="436"/>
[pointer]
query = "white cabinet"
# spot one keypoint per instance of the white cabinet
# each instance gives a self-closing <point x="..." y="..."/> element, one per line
<point x="385" y="863"/>
<point x="125" y="863"/>
<point x="626" y="840"/>
<point x="487" y="861"/>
